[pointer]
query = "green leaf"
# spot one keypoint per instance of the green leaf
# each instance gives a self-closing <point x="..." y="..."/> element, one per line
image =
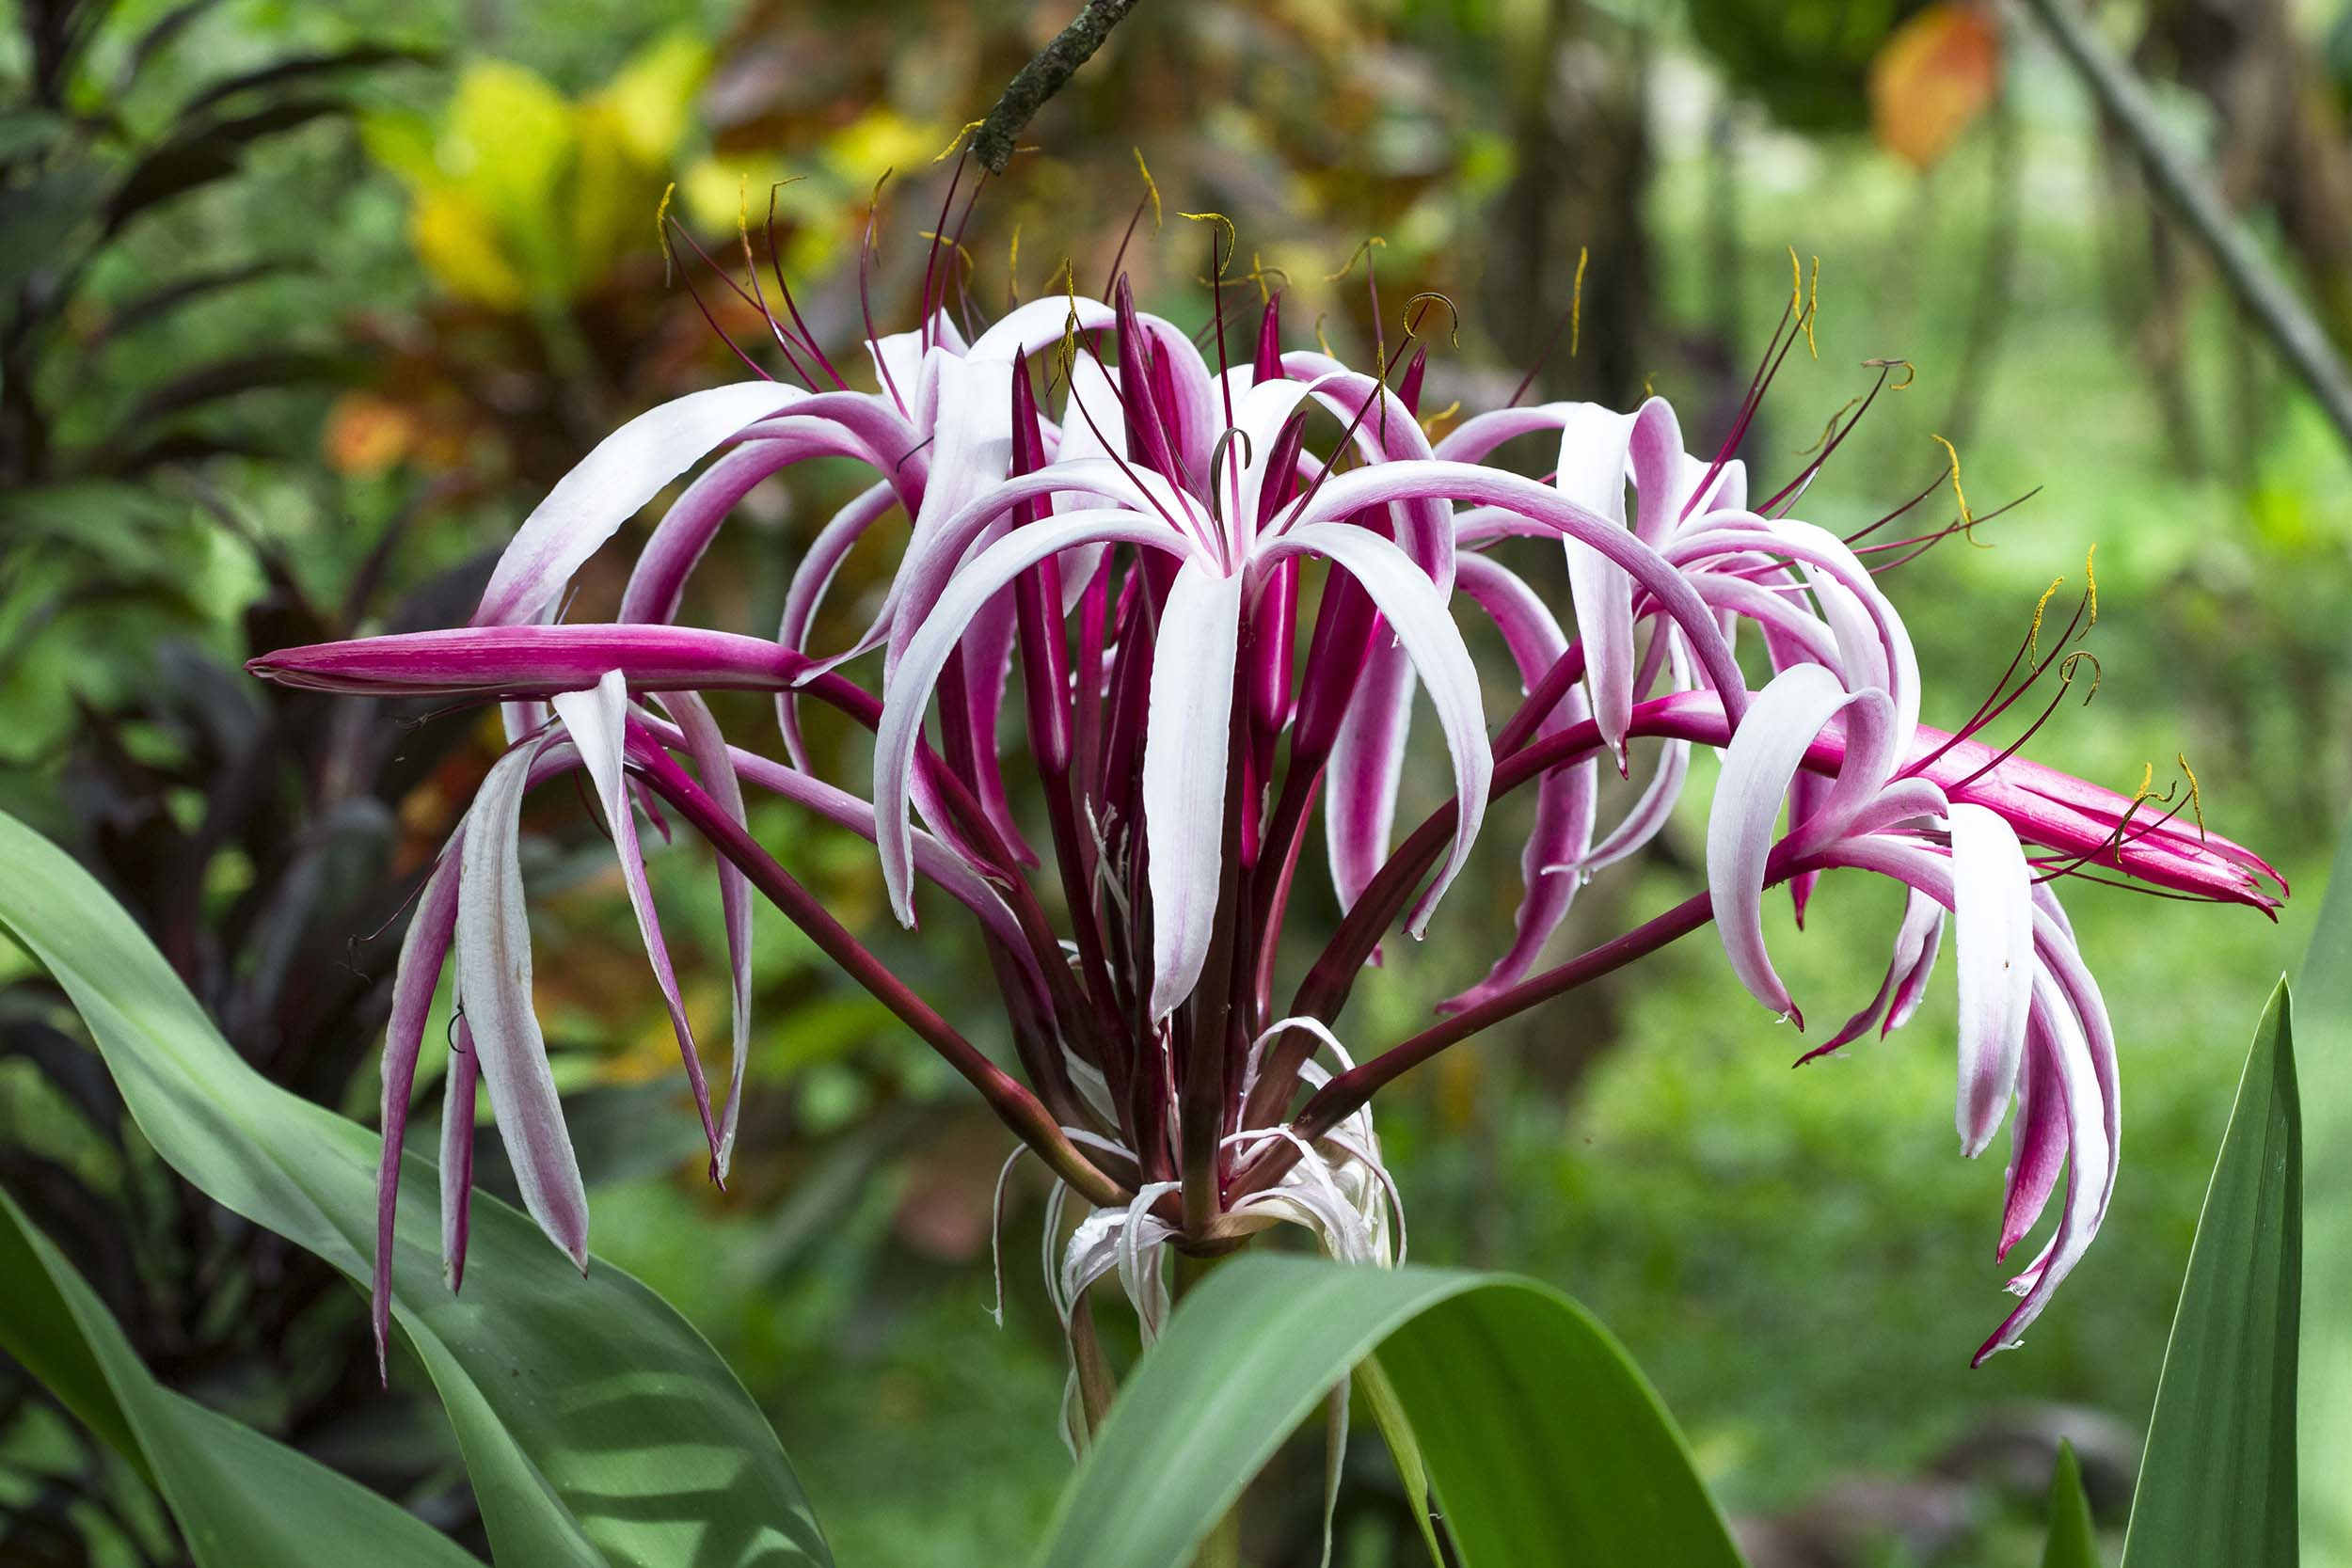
<point x="2324" y="1005"/>
<point x="2217" y="1482"/>
<point x="2072" y="1541"/>
<point x="241" y="1500"/>
<point x="1542" y="1441"/>
<point x="598" y="1426"/>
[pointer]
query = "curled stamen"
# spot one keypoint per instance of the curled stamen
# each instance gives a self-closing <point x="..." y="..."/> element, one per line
<point x="1803" y="306"/>
<point x="1413" y="317"/>
<point x="2196" y="797"/>
<point x="956" y="143"/>
<point x="1911" y="372"/>
<point x="1363" y="249"/>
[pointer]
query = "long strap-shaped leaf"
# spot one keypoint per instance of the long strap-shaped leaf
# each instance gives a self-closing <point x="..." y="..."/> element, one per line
<point x="2323" y="1002"/>
<point x="241" y="1500"/>
<point x="597" y="1426"/>
<point x="1543" y="1442"/>
<point x="2217" y="1484"/>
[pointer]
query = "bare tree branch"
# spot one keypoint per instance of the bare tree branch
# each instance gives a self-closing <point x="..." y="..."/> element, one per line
<point x="1044" y="76"/>
<point x="2266" y="298"/>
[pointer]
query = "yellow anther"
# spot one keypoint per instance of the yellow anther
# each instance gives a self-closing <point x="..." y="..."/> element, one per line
<point x="1013" y="263"/>
<point x="1363" y="249"/>
<point x="2033" y="633"/>
<point x="1649" y="388"/>
<point x="2147" y="782"/>
<point x="1967" y="518"/>
<point x="661" y="230"/>
<point x="1453" y="317"/>
<point x="1151" y="185"/>
<point x="1911" y="372"/>
<point x="956" y="246"/>
<point x="2196" y="805"/>
<point x="1576" y="302"/>
<point x="2098" y="672"/>
<point x="2092" y="576"/>
<point x="1430" y="423"/>
<point x="1813" y="310"/>
<point x="1233" y="242"/>
<point x="955" y="144"/>
<point x="1321" y="342"/>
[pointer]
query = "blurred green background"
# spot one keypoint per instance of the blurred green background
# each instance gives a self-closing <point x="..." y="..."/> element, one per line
<point x="302" y="310"/>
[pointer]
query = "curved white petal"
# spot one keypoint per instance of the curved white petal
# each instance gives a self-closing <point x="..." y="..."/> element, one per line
<point x="1186" y="742"/>
<point x="1993" y="931"/>
<point x="898" y="738"/>
<point x="494" y="983"/>
<point x="1416" y="612"/>
<point x="1764" y="754"/>
<point x="626" y="470"/>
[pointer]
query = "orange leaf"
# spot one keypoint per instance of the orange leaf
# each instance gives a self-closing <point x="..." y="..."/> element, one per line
<point x="1931" y="78"/>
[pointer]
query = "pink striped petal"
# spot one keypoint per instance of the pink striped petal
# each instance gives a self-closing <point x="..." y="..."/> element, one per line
<point x="422" y="951"/>
<point x="1187" y="740"/>
<point x="626" y="470"/>
<point x="1993" y="927"/>
<point x="714" y="761"/>
<point x="1763" y="756"/>
<point x="1416" y="611"/>
<point x="909" y="686"/>
<point x="494" y="982"/>
<point x="457" y="1120"/>
<point x="1366" y="765"/>
<point x="594" y="719"/>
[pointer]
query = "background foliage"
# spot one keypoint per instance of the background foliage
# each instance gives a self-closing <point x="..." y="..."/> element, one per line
<point x="281" y="361"/>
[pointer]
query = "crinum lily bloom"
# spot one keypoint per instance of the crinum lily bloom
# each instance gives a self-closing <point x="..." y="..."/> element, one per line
<point x="1155" y="557"/>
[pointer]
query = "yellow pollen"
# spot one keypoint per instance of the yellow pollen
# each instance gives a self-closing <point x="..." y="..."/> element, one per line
<point x="1013" y="263"/>
<point x="1649" y="388"/>
<point x="1812" y="309"/>
<point x="955" y="245"/>
<point x="1321" y="342"/>
<point x="1967" y="518"/>
<point x="2033" y="633"/>
<point x="1429" y="423"/>
<point x="1911" y="371"/>
<point x="1231" y="241"/>
<point x="955" y="143"/>
<point x="661" y="230"/>
<point x="2147" y="781"/>
<point x="2094" y="578"/>
<point x="1413" y="319"/>
<point x="1350" y="266"/>
<point x="2098" y="672"/>
<point x="1576" y="302"/>
<point x="2195" y="804"/>
<point x="1151" y="185"/>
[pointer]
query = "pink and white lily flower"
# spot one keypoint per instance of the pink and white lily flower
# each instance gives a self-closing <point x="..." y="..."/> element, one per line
<point x="1154" y="555"/>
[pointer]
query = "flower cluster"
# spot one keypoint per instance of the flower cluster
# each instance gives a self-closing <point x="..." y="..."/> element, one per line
<point x="1226" y="585"/>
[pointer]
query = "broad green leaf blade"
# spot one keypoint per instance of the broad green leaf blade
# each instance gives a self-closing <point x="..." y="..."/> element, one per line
<point x="2072" y="1541"/>
<point x="597" y="1426"/>
<point x="2217" y="1484"/>
<point x="241" y="1500"/>
<point x="1542" y="1441"/>
<point x="2323" y="997"/>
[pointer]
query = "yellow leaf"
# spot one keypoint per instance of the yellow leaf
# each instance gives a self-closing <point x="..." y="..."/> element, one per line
<point x="1931" y="78"/>
<point x="652" y="99"/>
<point x="461" y="249"/>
